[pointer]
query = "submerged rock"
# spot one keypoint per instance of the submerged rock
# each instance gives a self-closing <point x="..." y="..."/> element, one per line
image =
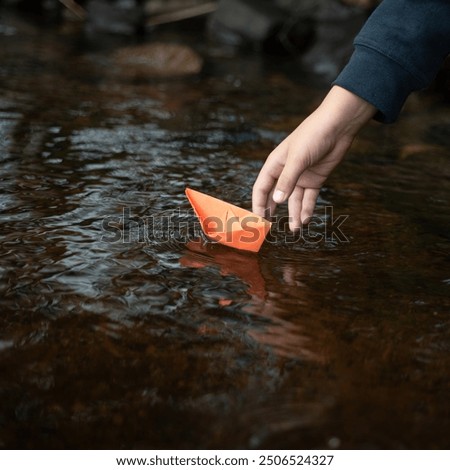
<point x="157" y="60"/>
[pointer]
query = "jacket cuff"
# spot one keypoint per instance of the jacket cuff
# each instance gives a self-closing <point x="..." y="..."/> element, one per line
<point x="379" y="80"/>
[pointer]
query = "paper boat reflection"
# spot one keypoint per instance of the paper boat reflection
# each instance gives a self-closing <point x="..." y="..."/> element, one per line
<point x="228" y="224"/>
<point x="231" y="263"/>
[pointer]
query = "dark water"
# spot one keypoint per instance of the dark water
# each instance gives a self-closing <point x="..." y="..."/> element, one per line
<point x="161" y="340"/>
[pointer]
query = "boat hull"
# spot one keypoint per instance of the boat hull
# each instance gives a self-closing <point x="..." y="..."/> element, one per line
<point x="228" y="224"/>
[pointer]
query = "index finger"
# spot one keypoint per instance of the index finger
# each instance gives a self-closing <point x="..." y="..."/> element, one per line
<point x="266" y="181"/>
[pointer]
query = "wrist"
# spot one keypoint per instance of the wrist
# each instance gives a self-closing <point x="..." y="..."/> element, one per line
<point x="347" y="111"/>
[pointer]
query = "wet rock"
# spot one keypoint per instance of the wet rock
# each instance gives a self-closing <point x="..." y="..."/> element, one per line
<point x="239" y="21"/>
<point x="336" y="25"/>
<point x="327" y="27"/>
<point x="262" y="23"/>
<point x="157" y="60"/>
<point x="124" y="17"/>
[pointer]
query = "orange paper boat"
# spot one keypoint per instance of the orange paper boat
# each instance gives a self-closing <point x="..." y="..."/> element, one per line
<point x="228" y="224"/>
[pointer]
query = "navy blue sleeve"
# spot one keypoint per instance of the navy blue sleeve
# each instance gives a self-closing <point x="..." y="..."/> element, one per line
<point x="399" y="50"/>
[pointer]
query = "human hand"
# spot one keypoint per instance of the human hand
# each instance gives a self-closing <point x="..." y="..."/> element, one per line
<point x="299" y="166"/>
